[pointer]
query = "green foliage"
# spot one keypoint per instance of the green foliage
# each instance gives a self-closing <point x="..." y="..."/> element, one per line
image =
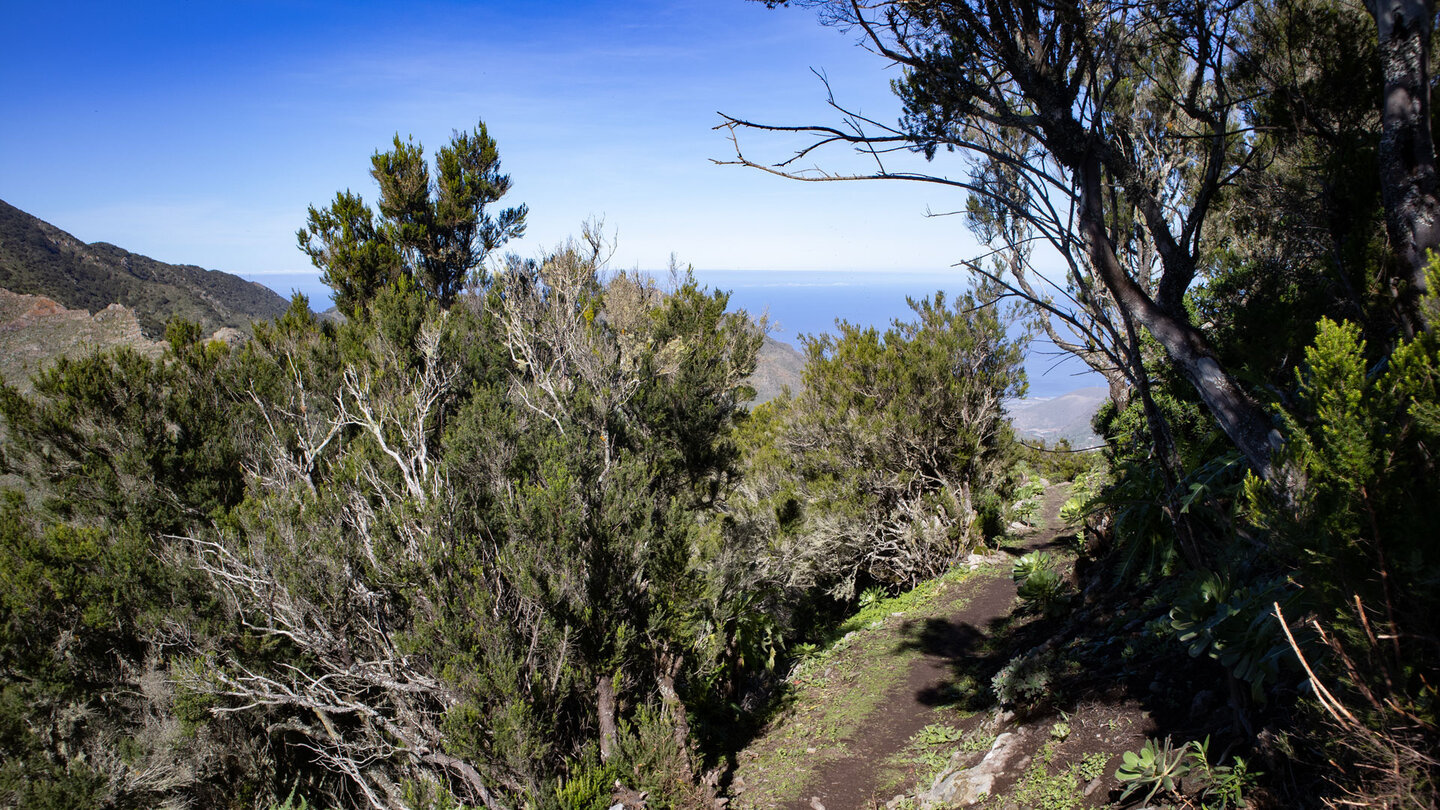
<point x="1358" y="442"/>
<point x="429" y="794"/>
<point x="1221" y="786"/>
<point x="61" y="579"/>
<point x="590" y="787"/>
<point x="1040" y="585"/>
<point x="1236" y="626"/>
<point x="1165" y="519"/>
<point x="1160" y="766"/>
<point x="1088" y="485"/>
<point x="658" y="763"/>
<point x="1026" y="682"/>
<point x="938" y="734"/>
<point x="1357" y="523"/>
<point x="531" y="461"/>
<point x="904" y="602"/>
<point x="293" y="802"/>
<point x="933" y="745"/>
<point x="871" y="595"/>
<point x="1033" y="488"/>
<point x="121" y="437"/>
<point x="1029" y="499"/>
<point x="1092" y="766"/>
<point x="1029" y="564"/>
<point x="1360" y="439"/>
<point x="1058" y="462"/>
<point x="435" y="231"/>
<point x="1156" y="767"/>
<point x="77" y="605"/>
<point x="894" y="459"/>
<point x="1040" y="789"/>
<point x="31" y="783"/>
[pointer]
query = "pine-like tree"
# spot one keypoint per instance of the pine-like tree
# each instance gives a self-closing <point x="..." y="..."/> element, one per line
<point x="437" y="231"/>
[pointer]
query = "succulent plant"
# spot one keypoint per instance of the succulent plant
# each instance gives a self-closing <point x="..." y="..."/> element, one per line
<point x="1158" y="766"/>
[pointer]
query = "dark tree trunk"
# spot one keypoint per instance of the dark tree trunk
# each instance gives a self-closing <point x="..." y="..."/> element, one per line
<point x="1242" y="420"/>
<point x="1167" y="455"/>
<point x="1408" y="181"/>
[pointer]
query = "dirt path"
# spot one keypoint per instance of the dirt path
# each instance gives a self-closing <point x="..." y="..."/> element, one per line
<point x="914" y="669"/>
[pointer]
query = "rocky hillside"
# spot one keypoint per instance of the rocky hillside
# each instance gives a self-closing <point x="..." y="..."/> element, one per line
<point x="1054" y="418"/>
<point x="778" y="366"/>
<point x="36" y="258"/>
<point x="35" y="330"/>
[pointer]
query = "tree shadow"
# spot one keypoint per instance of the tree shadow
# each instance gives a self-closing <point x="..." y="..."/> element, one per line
<point x="1088" y="650"/>
<point x="1062" y="541"/>
<point x="971" y="656"/>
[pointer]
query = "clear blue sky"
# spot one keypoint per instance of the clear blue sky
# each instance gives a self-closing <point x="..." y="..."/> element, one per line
<point x="199" y="132"/>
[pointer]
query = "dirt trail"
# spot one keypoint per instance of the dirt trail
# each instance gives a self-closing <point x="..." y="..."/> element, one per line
<point x="860" y="777"/>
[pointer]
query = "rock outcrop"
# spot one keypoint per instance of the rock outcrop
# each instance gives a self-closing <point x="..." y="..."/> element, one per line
<point x="35" y="330"/>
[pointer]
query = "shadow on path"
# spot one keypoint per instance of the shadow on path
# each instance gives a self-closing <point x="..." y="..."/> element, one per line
<point x="959" y="655"/>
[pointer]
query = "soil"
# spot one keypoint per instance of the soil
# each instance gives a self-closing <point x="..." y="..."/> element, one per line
<point x="862" y="728"/>
<point x="853" y="782"/>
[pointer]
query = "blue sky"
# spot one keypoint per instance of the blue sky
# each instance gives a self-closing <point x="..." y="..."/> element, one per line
<point x="199" y="132"/>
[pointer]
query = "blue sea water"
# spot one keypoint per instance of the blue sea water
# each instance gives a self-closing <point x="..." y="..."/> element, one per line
<point x="810" y="302"/>
<point x="801" y="302"/>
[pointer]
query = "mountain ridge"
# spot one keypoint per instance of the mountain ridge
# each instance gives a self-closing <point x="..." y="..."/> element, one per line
<point x="778" y="366"/>
<point x="39" y="258"/>
<point x="1067" y="416"/>
<point x="36" y="330"/>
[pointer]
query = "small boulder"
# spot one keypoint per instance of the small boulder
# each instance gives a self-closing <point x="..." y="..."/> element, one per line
<point x="962" y="787"/>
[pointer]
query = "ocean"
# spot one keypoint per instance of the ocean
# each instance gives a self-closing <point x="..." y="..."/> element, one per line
<point x="810" y="302"/>
<point x="801" y="302"/>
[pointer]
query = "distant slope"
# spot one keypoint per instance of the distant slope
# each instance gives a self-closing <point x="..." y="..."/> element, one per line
<point x="1063" y="417"/>
<point x="35" y="331"/>
<point x="778" y="365"/>
<point x="36" y="258"/>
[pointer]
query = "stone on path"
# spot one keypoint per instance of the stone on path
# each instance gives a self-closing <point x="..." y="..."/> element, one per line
<point x="961" y="784"/>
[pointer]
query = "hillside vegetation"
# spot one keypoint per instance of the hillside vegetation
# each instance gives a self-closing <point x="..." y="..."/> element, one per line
<point x="489" y="546"/>
<point x="509" y="533"/>
<point x="37" y="258"/>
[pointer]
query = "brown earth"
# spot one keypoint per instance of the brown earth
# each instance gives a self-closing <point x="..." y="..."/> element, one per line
<point x="857" y="781"/>
<point x="853" y="782"/>
<point x="909" y="697"/>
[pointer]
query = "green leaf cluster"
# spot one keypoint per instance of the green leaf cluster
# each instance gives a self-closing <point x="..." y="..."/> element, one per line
<point x="435" y="230"/>
<point x="895" y="458"/>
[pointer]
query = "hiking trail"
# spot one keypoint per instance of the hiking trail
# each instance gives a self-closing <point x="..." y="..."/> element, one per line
<point x="855" y="735"/>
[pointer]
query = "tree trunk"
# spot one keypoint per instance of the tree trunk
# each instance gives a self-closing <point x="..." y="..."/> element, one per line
<point x="670" y="664"/>
<point x="1409" y="184"/>
<point x="1119" y="389"/>
<point x="605" y="698"/>
<point x="1242" y="420"/>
